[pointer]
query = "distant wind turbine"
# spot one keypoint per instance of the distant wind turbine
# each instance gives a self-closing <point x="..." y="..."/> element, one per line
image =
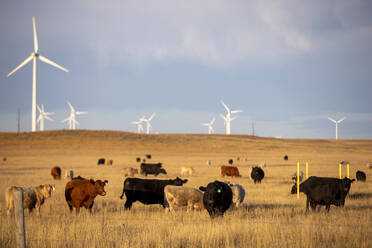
<point x="72" y="118"/>
<point x="148" y="124"/>
<point x="43" y="115"/>
<point x="209" y="125"/>
<point x="336" y="122"/>
<point x="139" y="125"/>
<point x="228" y="117"/>
<point x="34" y="56"/>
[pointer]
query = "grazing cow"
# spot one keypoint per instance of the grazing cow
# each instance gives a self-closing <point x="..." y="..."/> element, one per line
<point x="369" y="165"/>
<point x="56" y="172"/>
<point x="101" y="161"/>
<point x="82" y="192"/>
<point x="130" y="171"/>
<point x="301" y="176"/>
<point x="257" y="174"/>
<point x="187" y="171"/>
<point x="324" y="191"/>
<point x="285" y="157"/>
<point x="231" y="171"/>
<point x="110" y="162"/>
<point x="217" y="198"/>
<point x="138" y="159"/>
<point x="148" y="156"/>
<point x="238" y="194"/>
<point x="147" y="191"/>
<point x="178" y="196"/>
<point x="152" y="169"/>
<point x="231" y="161"/>
<point x="361" y="176"/>
<point x="209" y="162"/>
<point x="33" y="197"/>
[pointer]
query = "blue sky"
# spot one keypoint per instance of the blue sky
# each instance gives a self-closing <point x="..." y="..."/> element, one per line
<point x="288" y="64"/>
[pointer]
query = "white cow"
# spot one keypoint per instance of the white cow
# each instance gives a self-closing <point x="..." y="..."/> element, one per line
<point x="238" y="194"/>
<point x="179" y="196"/>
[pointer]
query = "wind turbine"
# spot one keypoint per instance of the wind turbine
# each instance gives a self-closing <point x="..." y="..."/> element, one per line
<point x="43" y="115"/>
<point x="72" y="118"/>
<point x="209" y="125"/>
<point x="228" y="117"/>
<point x="139" y="125"/>
<point x="34" y="56"/>
<point x="148" y="124"/>
<point x="337" y="122"/>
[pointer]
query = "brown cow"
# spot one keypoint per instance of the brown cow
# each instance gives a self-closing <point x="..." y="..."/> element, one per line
<point x="56" y="172"/>
<point x="33" y="197"/>
<point x="82" y="192"/>
<point x="230" y="171"/>
<point x="109" y="162"/>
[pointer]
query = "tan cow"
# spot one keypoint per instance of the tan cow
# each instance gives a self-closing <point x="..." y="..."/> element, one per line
<point x="187" y="171"/>
<point x="179" y="196"/>
<point x="33" y="197"/>
<point x="369" y="165"/>
<point x="128" y="171"/>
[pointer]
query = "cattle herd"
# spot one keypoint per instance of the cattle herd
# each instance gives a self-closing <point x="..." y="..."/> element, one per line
<point x="216" y="197"/>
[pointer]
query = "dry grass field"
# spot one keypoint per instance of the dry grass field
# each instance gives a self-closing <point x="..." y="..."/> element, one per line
<point x="269" y="217"/>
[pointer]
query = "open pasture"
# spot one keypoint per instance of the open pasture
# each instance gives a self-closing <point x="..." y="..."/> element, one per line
<point x="269" y="216"/>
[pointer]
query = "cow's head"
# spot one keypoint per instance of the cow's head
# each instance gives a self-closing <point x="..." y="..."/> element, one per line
<point x="100" y="186"/>
<point x="163" y="171"/>
<point x="179" y="182"/>
<point x="46" y="190"/>
<point x="346" y="183"/>
<point x="294" y="189"/>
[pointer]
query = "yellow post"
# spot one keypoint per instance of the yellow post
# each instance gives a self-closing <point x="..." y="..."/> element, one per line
<point x="307" y="170"/>
<point x="348" y="170"/>
<point x="340" y="170"/>
<point x="298" y="180"/>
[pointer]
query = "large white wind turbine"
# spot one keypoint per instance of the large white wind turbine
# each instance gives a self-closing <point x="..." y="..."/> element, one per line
<point x="337" y="122"/>
<point x="139" y="125"/>
<point x="209" y="125"/>
<point x="72" y="118"/>
<point x="43" y="115"/>
<point x="34" y="56"/>
<point x="148" y="124"/>
<point x="228" y="117"/>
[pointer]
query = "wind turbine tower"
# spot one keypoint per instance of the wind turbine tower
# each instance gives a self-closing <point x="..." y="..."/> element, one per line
<point x="228" y="117"/>
<point x="148" y="124"/>
<point x="34" y="56"/>
<point x="139" y="125"/>
<point x="336" y="122"/>
<point x="43" y="115"/>
<point x="72" y="118"/>
<point x="209" y="125"/>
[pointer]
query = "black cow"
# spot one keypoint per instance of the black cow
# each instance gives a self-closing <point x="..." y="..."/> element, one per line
<point x="152" y="169"/>
<point x="324" y="191"/>
<point x="147" y="191"/>
<point x="217" y="198"/>
<point x="148" y="156"/>
<point x="257" y="174"/>
<point x="138" y="159"/>
<point x="361" y="176"/>
<point x="101" y="161"/>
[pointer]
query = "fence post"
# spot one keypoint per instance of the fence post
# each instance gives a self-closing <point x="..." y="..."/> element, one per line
<point x="298" y="180"/>
<point x="19" y="219"/>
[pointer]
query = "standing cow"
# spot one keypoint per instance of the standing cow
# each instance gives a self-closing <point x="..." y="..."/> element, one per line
<point x="147" y="191"/>
<point x="257" y="174"/>
<point x="324" y="191"/>
<point x="217" y="198"/>
<point x="82" y="192"/>
<point x="101" y="161"/>
<point x="187" y="171"/>
<point x="130" y="171"/>
<point x="238" y="194"/>
<point x="361" y="176"/>
<point x="33" y="197"/>
<point x="179" y="196"/>
<point x="152" y="169"/>
<point x="56" y="172"/>
<point x="231" y="171"/>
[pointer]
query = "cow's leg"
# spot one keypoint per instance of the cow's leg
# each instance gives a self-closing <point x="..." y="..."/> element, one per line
<point x="307" y="204"/>
<point x="77" y="208"/>
<point x="70" y="207"/>
<point x="128" y="204"/>
<point x="90" y="207"/>
<point x="328" y="206"/>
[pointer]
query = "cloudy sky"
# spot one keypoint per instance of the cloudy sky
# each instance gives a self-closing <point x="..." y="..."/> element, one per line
<point x="288" y="64"/>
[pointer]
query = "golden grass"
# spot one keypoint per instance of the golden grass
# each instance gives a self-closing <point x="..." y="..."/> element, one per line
<point x="269" y="217"/>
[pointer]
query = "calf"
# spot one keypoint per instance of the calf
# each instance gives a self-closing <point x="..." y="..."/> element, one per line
<point x="82" y="192"/>
<point x="229" y="171"/>
<point x="56" y="172"/>
<point x="178" y="196"/>
<point x="33" y="197"/>
<point x="217" y="198"/>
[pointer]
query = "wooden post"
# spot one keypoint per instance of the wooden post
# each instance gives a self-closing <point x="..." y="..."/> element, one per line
<point x="71" y="174"/>
<point x="307" y="170"/>
<point x="298" y="180"/>
<point x="348" y="171"/>
<point x="340" y="170"/>
<point x="19" y="219"/>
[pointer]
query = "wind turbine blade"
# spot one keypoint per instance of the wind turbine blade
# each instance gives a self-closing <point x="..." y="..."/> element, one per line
<point x="45" y="60"/>
<point x="40" y="118"/>
<point x="225" y="106"/>
<point x="48" y="113"/>
<point x="212" y="121"/>
<point x="332" y="119"/>
<point x="69" y="104"/>
<point x="341" y="119"/>
<point x="152" y="116"/>
<point x="81" y="113"/>
<point x="223" y="117"/>
<point x="236" y="111"/>
<point x="233" y="118"/>
<point x="204" y="124"/>
<point x="36" y="44"/>
<point x="48" y="118"/>
<point x="22" y="64"/>
<point x="67" y="119"/>
<point x="38" y="108"/>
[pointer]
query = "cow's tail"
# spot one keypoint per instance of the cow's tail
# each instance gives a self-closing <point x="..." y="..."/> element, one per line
<point x="68" y="194"/>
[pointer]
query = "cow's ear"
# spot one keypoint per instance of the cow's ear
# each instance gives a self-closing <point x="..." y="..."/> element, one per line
<point x="105" y="182"/>
<point x="202" y="188"/>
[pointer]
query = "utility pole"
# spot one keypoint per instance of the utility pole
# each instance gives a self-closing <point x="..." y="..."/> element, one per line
<point x="252" y="128"/>
<point x="19" y="121"/>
